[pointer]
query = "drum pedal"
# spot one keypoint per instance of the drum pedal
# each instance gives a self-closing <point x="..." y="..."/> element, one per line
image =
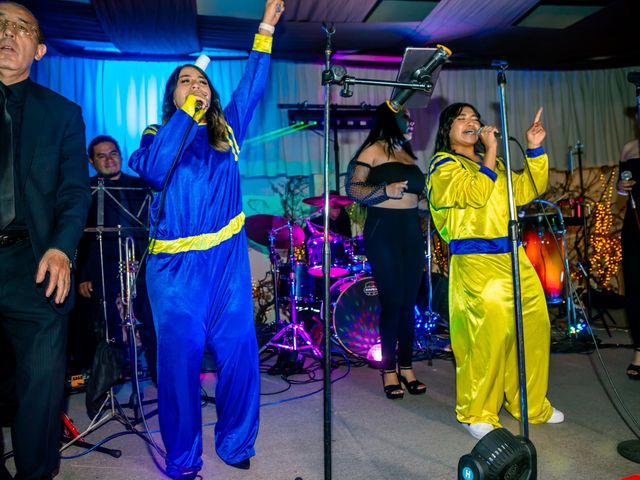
<point x="289" y="362"/>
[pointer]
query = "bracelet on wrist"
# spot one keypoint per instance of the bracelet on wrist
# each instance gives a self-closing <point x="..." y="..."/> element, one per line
<point x="269" y="28"/>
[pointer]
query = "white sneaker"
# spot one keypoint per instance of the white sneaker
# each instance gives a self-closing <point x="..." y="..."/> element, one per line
<point x="556" y="417"/>
<point x="478" y="430"/>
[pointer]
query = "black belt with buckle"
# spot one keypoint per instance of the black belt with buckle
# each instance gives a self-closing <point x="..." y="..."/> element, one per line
<point x="11" y="238"/>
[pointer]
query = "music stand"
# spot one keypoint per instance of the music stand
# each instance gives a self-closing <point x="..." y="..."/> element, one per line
<point x="110" y="407"/>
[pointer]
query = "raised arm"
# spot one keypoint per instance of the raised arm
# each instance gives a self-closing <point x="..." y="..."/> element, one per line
<point x="245" y="98"/>
<point x="532" y="182"/>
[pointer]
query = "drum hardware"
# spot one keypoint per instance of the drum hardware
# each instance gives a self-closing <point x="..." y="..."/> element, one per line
<point x="359" y="265"/>
<point x="292" y="337"/>
<point x="426" y="321"/>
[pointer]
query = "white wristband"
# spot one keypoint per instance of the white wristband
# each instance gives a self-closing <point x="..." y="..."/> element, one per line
<point x="269" y="28"/>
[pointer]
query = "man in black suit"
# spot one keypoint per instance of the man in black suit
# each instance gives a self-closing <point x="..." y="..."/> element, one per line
<point x="44" y="197"/>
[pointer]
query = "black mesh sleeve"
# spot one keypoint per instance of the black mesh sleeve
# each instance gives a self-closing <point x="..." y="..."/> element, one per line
<point x="359" y="189"/>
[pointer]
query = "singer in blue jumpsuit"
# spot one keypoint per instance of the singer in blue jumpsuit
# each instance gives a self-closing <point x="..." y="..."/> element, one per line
<point x="198" y="273"/>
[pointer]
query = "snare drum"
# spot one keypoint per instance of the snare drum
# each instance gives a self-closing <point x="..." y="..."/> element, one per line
<point x="339" y="259"/>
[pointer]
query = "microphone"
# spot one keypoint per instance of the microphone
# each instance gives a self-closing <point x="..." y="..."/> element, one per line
<point x="421" y="75"/>
<point x="626" y="176"/>
<point x="198" y="105"/>
<point x="570" y="159"/>
<point x="479" y="131"/>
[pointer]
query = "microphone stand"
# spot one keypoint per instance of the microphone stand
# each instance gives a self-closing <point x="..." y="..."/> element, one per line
<point x="327" y="80"/>
<point x="513" y="243"/>
<point x="579" y="150"/>
<point x="337" y="75"/>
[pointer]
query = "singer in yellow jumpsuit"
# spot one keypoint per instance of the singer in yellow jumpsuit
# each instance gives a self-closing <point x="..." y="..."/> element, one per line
<point x="467" y="188"/>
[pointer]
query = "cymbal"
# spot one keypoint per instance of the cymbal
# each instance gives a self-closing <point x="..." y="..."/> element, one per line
<point x="259" y="226"/>
<point x="334" y="200"/>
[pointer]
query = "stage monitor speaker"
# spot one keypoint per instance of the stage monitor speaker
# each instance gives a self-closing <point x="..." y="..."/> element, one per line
<point x="499" y="456"/>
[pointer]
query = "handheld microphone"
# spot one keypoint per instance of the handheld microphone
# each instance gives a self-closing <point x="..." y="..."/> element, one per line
<point x="627" y="175"/>
<point x="479" y="131"/>
<point x="422" y="74"/>
<point x="198" y="105"/>
<point x="570" y="159"/>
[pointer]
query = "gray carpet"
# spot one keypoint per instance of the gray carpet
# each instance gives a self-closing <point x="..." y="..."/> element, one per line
<point x="378" y="439"/>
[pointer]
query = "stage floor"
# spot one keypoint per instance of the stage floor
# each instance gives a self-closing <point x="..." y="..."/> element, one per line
<point x="378" y="439"/>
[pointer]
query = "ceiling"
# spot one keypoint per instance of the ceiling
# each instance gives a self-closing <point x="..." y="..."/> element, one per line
<point x="534" y="34"/>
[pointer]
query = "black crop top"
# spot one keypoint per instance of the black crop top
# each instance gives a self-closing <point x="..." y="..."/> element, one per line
<point x="367" y="185"/>
<point x="391" y="172"/>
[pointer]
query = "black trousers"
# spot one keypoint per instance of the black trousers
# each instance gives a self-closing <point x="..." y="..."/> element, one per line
<point x="37" y="334"/>
<point x="631" y="274"/>
<point x="395" y="249"/>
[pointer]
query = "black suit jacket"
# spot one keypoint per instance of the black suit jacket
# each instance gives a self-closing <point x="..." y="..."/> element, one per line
<point x="53" y="174"/>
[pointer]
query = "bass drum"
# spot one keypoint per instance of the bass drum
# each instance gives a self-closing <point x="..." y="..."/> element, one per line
<point x="355" y="313"/>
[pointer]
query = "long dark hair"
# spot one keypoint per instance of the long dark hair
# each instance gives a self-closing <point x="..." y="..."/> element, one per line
<point x="447" y="116"/>
<point x="385" y="127"/>
<point x="216" y="124"/>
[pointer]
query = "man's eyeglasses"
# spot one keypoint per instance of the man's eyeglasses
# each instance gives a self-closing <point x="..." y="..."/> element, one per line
<point x="22" y="29"/>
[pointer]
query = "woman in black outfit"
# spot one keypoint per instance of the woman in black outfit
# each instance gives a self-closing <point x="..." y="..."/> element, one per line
<point x="383" y="175"/>
<point x="630" y="162"/>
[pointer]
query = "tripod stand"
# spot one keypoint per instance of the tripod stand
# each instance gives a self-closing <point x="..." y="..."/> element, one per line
<point x="429" y="318"/>
<point x="292" y="337"/>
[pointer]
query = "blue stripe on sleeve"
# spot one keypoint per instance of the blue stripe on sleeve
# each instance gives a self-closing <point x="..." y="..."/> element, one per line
<point x="489" y="173"/>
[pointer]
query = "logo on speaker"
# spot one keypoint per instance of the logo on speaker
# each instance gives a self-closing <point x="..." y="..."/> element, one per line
<point x="467" y="473"/>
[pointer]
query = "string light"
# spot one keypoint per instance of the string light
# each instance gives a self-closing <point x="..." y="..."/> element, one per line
<point x="606" y="251"/>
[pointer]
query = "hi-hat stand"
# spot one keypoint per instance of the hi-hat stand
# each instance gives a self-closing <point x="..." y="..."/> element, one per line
<point x="292" y="337"/>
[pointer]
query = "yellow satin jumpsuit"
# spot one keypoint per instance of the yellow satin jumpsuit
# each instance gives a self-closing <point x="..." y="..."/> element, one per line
<point x="470" y="209"/>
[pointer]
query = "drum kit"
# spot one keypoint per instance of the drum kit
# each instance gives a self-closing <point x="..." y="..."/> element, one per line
<point x="297" y="282"/>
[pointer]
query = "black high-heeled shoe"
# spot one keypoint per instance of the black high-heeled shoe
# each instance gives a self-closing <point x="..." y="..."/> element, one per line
<point x="414" y="387"/>
<point x="394" y="391"/>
